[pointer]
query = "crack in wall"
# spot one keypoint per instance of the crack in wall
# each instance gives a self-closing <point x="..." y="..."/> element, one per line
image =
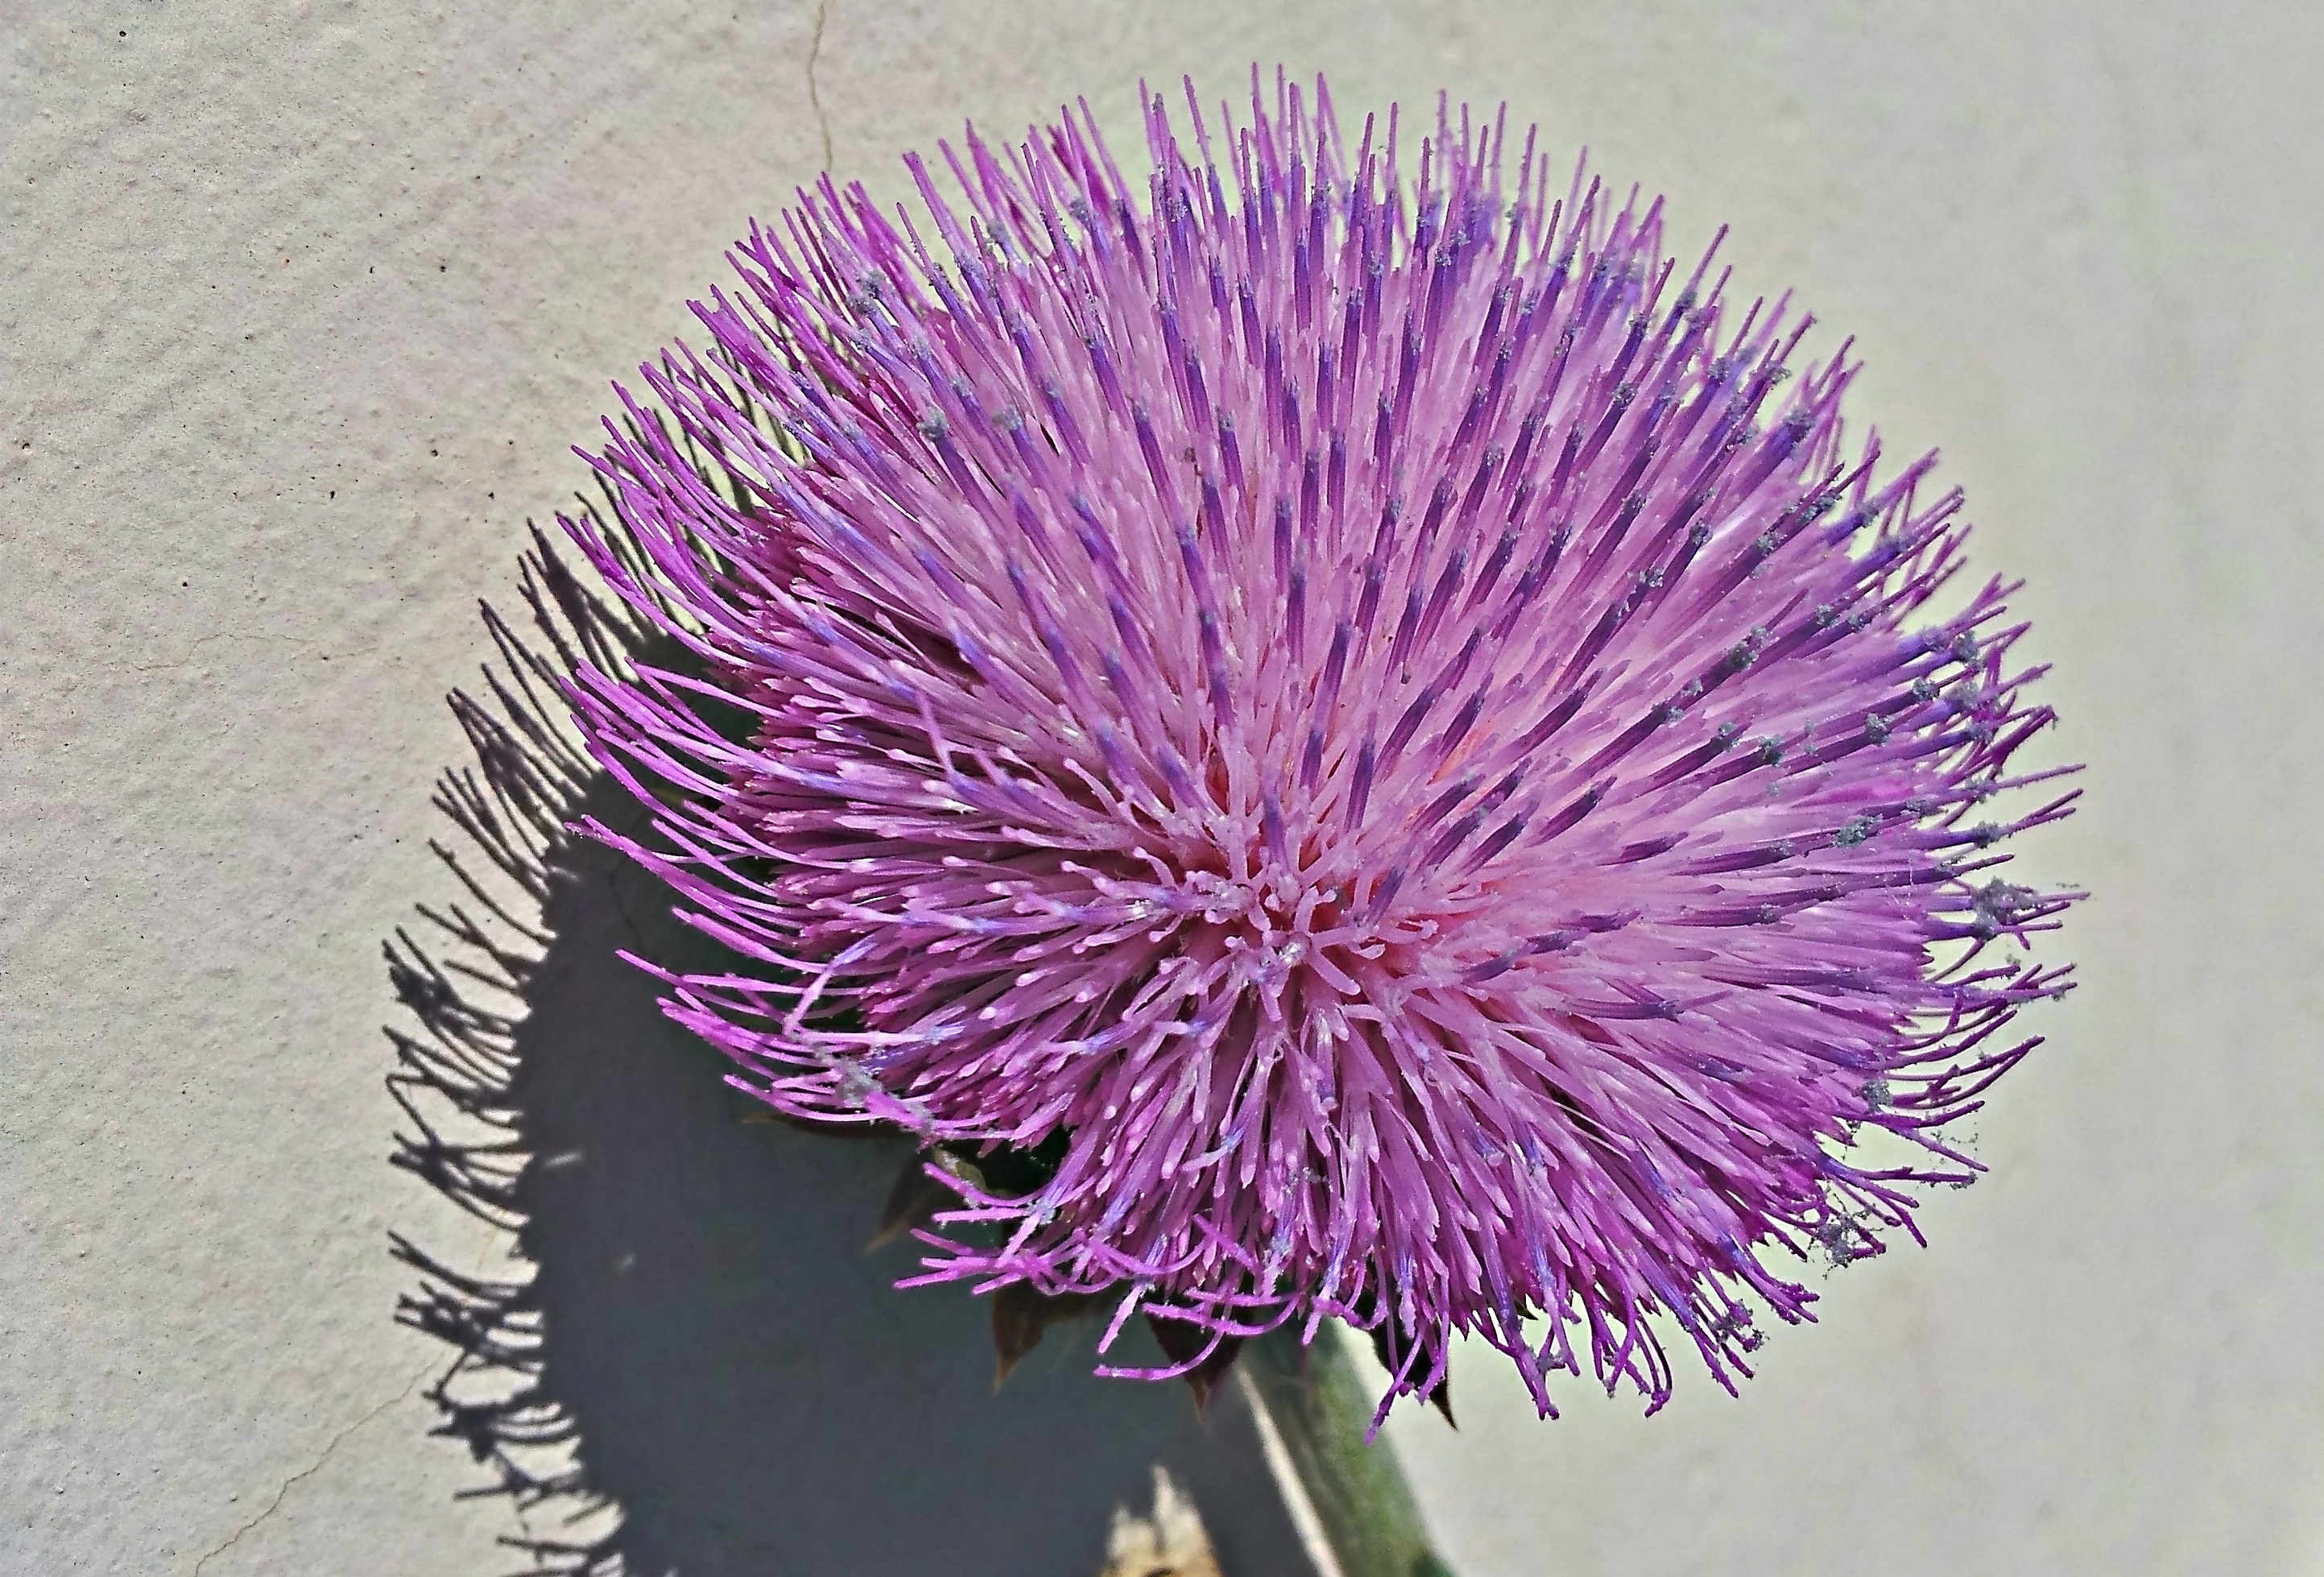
<point x="308" y="1471"/>
<point x="187" y="660"/>
<point x="814" y="98"/>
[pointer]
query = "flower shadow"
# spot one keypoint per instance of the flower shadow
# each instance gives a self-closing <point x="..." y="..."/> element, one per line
<point x="695" y="1366"/>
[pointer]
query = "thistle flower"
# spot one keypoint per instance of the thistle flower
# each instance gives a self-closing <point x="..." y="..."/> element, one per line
<point x="1330" y="749"/>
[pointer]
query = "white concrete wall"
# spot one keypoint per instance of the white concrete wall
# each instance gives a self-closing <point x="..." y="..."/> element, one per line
<point x="301" y="307"/>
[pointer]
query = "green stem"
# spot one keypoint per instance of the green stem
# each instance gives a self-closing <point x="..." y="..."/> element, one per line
<point x="1320" y="1407"/>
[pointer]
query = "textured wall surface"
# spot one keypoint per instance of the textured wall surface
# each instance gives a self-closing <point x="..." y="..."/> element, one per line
<point x="301" y="307"/>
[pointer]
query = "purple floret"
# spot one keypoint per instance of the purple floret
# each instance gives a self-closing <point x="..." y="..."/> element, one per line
<point x="1376" y="729"/>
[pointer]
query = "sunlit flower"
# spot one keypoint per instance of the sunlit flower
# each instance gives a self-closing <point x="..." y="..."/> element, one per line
<point x="1331" y="748"/>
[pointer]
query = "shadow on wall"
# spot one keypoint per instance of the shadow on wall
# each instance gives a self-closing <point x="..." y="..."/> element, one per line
<point x="702" y="1370"/>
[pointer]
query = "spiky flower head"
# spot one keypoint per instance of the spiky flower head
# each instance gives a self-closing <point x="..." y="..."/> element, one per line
<point x="1369" y="741"/>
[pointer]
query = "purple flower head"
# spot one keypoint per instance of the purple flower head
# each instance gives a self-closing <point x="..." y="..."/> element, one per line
<point x="1371" y="740"/>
